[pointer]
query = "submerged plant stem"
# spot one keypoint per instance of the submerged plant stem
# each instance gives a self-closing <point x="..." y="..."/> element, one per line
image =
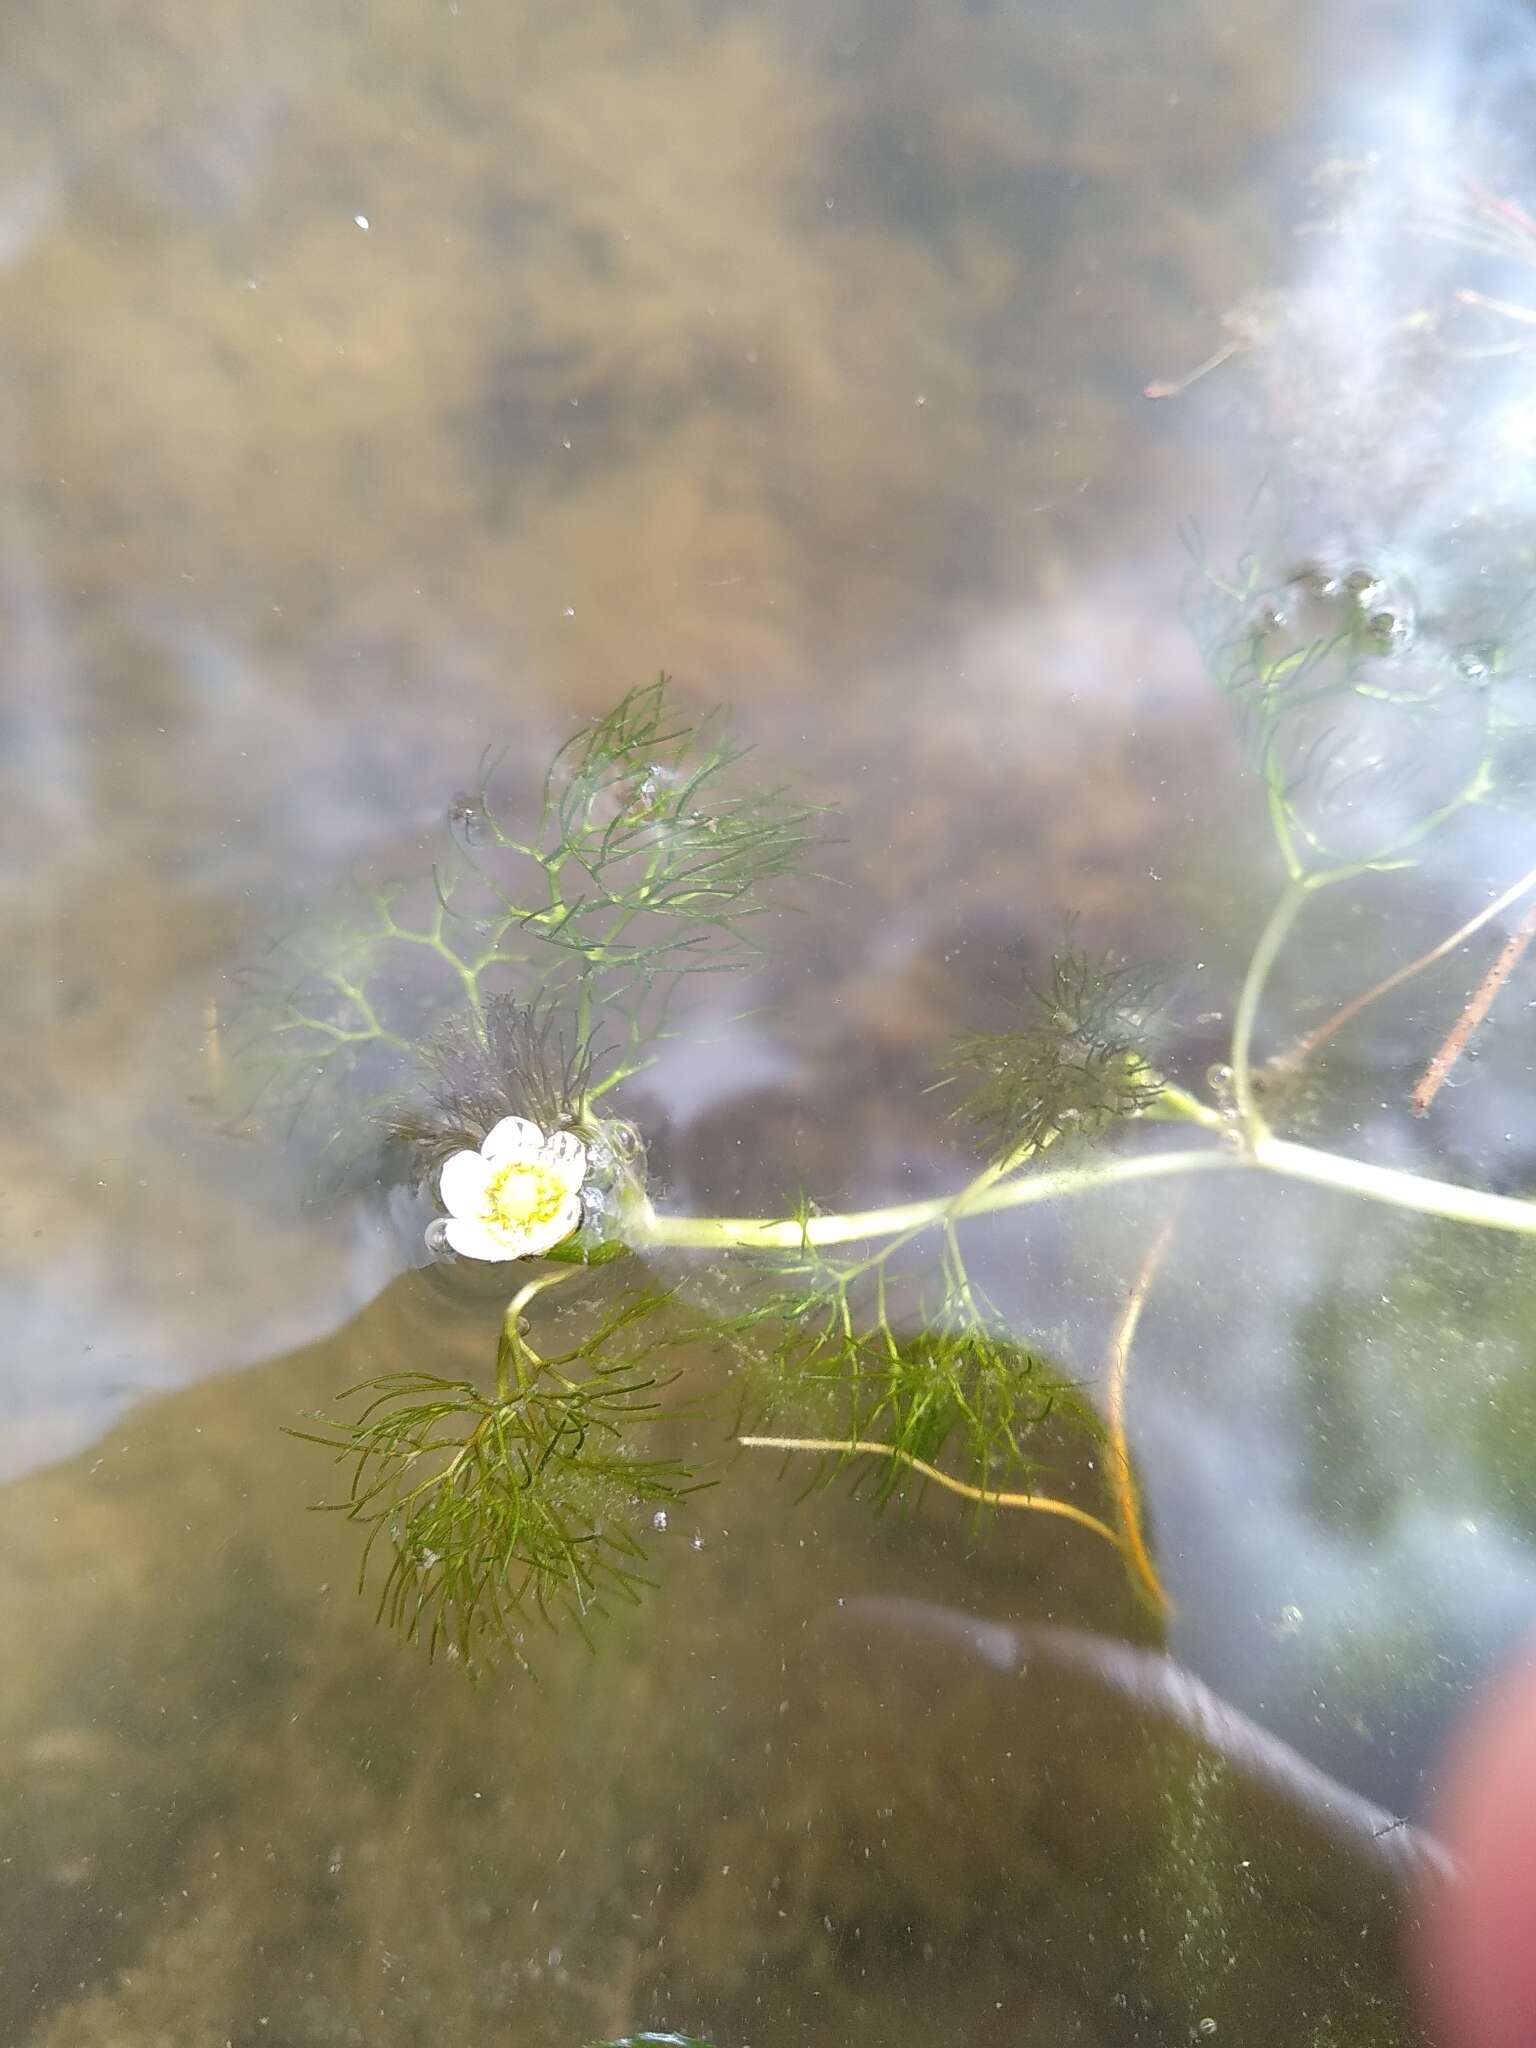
<point x="1042" y="1503"/>
<point x="1386" y="1184"/>
<point x="1397" y="1189"/>
<point x="792" y="1233"/>
<point x="1122" y="1478"/>
<point x="513" y="1355"/>
<point x="1304" y="1047"/>
<point x="1271" y="939"/>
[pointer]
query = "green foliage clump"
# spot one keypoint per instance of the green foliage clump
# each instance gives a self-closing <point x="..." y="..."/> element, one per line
<point x="517" y="1059"/>
<point x="494" y="1503"/>
<point x="529" y="976"/>
<point x="646" y="864"/>
<point x="901" y="1353"/>
<point x="1073" y="1066"/>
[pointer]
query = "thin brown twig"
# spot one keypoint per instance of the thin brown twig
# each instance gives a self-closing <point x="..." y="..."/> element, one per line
<point x="1480" y="1003"/>
<point x="1304" y="1048"/>
<point x="1122" y="1478"/>
<point x="1175" y="387"/>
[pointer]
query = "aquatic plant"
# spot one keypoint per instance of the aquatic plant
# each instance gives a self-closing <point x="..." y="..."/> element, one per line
<point x="543" y="965"/>
<point x="650" y="2040"/>
<point x="498" y="970"/>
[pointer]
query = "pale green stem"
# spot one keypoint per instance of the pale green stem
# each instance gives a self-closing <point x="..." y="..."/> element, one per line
<point x="1002" y="1187"/>
<point x="1385" y="1184"/>
<point x="1399" y="1190"/>
<point x="762" y="1233"/>
<point x="1271" y="939"/>
<point x="1176" y="1105"/>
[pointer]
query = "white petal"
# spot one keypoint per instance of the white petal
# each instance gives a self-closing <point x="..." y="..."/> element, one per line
<point x="568" y="1219"/>
<point x="465" y="1183"/>
<point x="473" y="1240"/>
<point x="565" y="1152"/>
<point x="513" y="1138"/>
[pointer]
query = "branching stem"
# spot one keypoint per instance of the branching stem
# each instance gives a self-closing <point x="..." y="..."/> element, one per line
<point x="513" y="1353"/>
<point x="1386" y="1184"/>
<point x="784" y="1234"/>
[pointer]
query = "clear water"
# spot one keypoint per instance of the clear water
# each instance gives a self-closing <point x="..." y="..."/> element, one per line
<point x="382" y="384"/>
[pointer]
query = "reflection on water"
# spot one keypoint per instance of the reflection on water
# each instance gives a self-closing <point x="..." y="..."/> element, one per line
<point x="378" y="386"/>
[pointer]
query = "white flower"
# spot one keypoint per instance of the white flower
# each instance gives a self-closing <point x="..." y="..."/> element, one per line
<point x="519" y="1195"/>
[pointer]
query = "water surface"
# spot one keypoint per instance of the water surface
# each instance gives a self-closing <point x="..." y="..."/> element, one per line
<point x="382" y="385"/>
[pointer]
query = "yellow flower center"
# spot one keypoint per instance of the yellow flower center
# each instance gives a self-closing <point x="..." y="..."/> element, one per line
<point x="525" y="1195"/>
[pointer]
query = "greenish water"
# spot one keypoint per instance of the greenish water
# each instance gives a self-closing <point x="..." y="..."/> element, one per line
<point x="379" y="385"/>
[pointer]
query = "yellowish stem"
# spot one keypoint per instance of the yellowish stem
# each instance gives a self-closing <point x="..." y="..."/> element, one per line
<point x="1042" y="1503"/>
<point x="788" y="1234"/>
<point x="1122" y="1478"/>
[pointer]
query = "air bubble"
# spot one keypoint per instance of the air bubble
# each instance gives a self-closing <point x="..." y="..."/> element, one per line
<point x="1474" y="664"/>
<point x="1391" y="631"/>
<point x="621" y="1139"/>
<point x="435" y="1237"/>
